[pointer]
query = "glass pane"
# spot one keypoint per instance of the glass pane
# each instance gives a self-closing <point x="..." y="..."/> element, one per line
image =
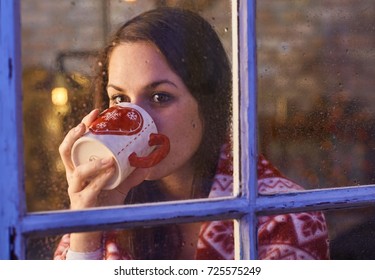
<point x="207" y="240"/>
<point x="347" y="234"/>
<point x="303" y="235"/>
<point x="61" y="42"/>
<point x="294" y="236"/>
<point x="351" y="233"/>
<point x="315" y="63"/>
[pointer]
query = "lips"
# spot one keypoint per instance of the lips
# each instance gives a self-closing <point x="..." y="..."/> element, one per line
<point x="118" y="120"/>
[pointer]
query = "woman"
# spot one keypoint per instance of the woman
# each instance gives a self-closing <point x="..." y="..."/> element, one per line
<point x="171" y="62"/>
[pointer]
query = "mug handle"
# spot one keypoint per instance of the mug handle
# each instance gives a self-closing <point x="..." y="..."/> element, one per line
<point x="156" y="155"/>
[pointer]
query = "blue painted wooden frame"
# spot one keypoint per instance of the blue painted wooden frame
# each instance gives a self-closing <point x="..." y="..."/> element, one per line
<point x="12" y="202"/>
<point x="248" y="126"/>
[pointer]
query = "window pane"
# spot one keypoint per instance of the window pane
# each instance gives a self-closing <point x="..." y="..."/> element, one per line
<point x="207" y="240"/>
<point x="346" y="233"/>
<point x="60" y="44"/>
<point x="315" y="63"/>
<point x="351" y="233"/>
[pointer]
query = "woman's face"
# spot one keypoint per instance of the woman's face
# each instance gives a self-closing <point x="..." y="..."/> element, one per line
<point x="138" y="73"/>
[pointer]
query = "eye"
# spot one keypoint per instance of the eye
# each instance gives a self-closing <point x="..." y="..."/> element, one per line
<point x="118" y="98"/>
<point x="161" y="97"/>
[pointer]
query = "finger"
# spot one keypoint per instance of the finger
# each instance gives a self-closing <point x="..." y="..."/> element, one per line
<point x="72" y="136"/>
<point x="96" y="185"/>
<point x="88" y="172"/>
<point x="89" y="196"/>
<point x="66" y="145"/>
<point x="89" y="118"/>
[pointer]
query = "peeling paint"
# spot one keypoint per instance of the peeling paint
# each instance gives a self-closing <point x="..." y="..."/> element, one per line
<point x="12" y="238"/>
<point x="10" y="69"/>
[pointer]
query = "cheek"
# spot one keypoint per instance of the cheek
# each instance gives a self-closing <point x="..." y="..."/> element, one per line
<point x="196" y="128"/>
<point x="180" y="125"/>
<point x="186" y="135"/>
<point x="193" y="134"/>
<point x="194" y="124"/>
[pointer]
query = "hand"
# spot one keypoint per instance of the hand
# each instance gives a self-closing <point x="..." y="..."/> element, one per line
<point x="118" y="194"/>
<point x="87" y="180"/>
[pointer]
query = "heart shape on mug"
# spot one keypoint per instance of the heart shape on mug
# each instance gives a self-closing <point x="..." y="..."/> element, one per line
<point x="118" y="120"/>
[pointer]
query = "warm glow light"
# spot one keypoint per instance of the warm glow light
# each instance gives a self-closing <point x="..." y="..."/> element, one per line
<point x="59" y="96"/>
<point x="130" y="0"/>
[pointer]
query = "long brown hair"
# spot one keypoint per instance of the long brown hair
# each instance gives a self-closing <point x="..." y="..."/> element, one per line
<point x="194" y="51"/>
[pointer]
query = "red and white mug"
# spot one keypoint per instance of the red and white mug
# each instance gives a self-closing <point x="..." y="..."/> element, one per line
<point x="128" y="134"/>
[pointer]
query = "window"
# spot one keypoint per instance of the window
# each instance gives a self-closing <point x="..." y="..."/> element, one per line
<point x="17" y="225"/>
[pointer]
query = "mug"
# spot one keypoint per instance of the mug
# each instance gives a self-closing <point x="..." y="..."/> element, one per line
<point x="128" y="134"/>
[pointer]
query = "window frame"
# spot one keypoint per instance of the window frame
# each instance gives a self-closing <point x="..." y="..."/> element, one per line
<point x="11" y="146"/>
<point x="16" y="224"/>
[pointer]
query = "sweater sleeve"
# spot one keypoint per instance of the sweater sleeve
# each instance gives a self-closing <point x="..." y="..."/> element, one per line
<point x="62" y="248"/>
<point x="110" y="251"/>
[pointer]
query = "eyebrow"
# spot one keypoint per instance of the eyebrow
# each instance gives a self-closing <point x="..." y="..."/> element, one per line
<point x="159" y="82"/>
<point x="152" y="85"/>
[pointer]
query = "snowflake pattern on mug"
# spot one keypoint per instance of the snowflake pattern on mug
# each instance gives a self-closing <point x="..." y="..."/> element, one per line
<point x="118" y="120"/>
<point x="112" y="116"/>
<point x="132" y="116"/>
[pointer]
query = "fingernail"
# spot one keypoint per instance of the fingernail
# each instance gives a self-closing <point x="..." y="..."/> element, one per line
<point x="92" y="112"/>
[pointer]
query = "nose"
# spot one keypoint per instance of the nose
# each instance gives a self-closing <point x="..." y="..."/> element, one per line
<point x="143" y="101"/>
<point x="139" y="101"/>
